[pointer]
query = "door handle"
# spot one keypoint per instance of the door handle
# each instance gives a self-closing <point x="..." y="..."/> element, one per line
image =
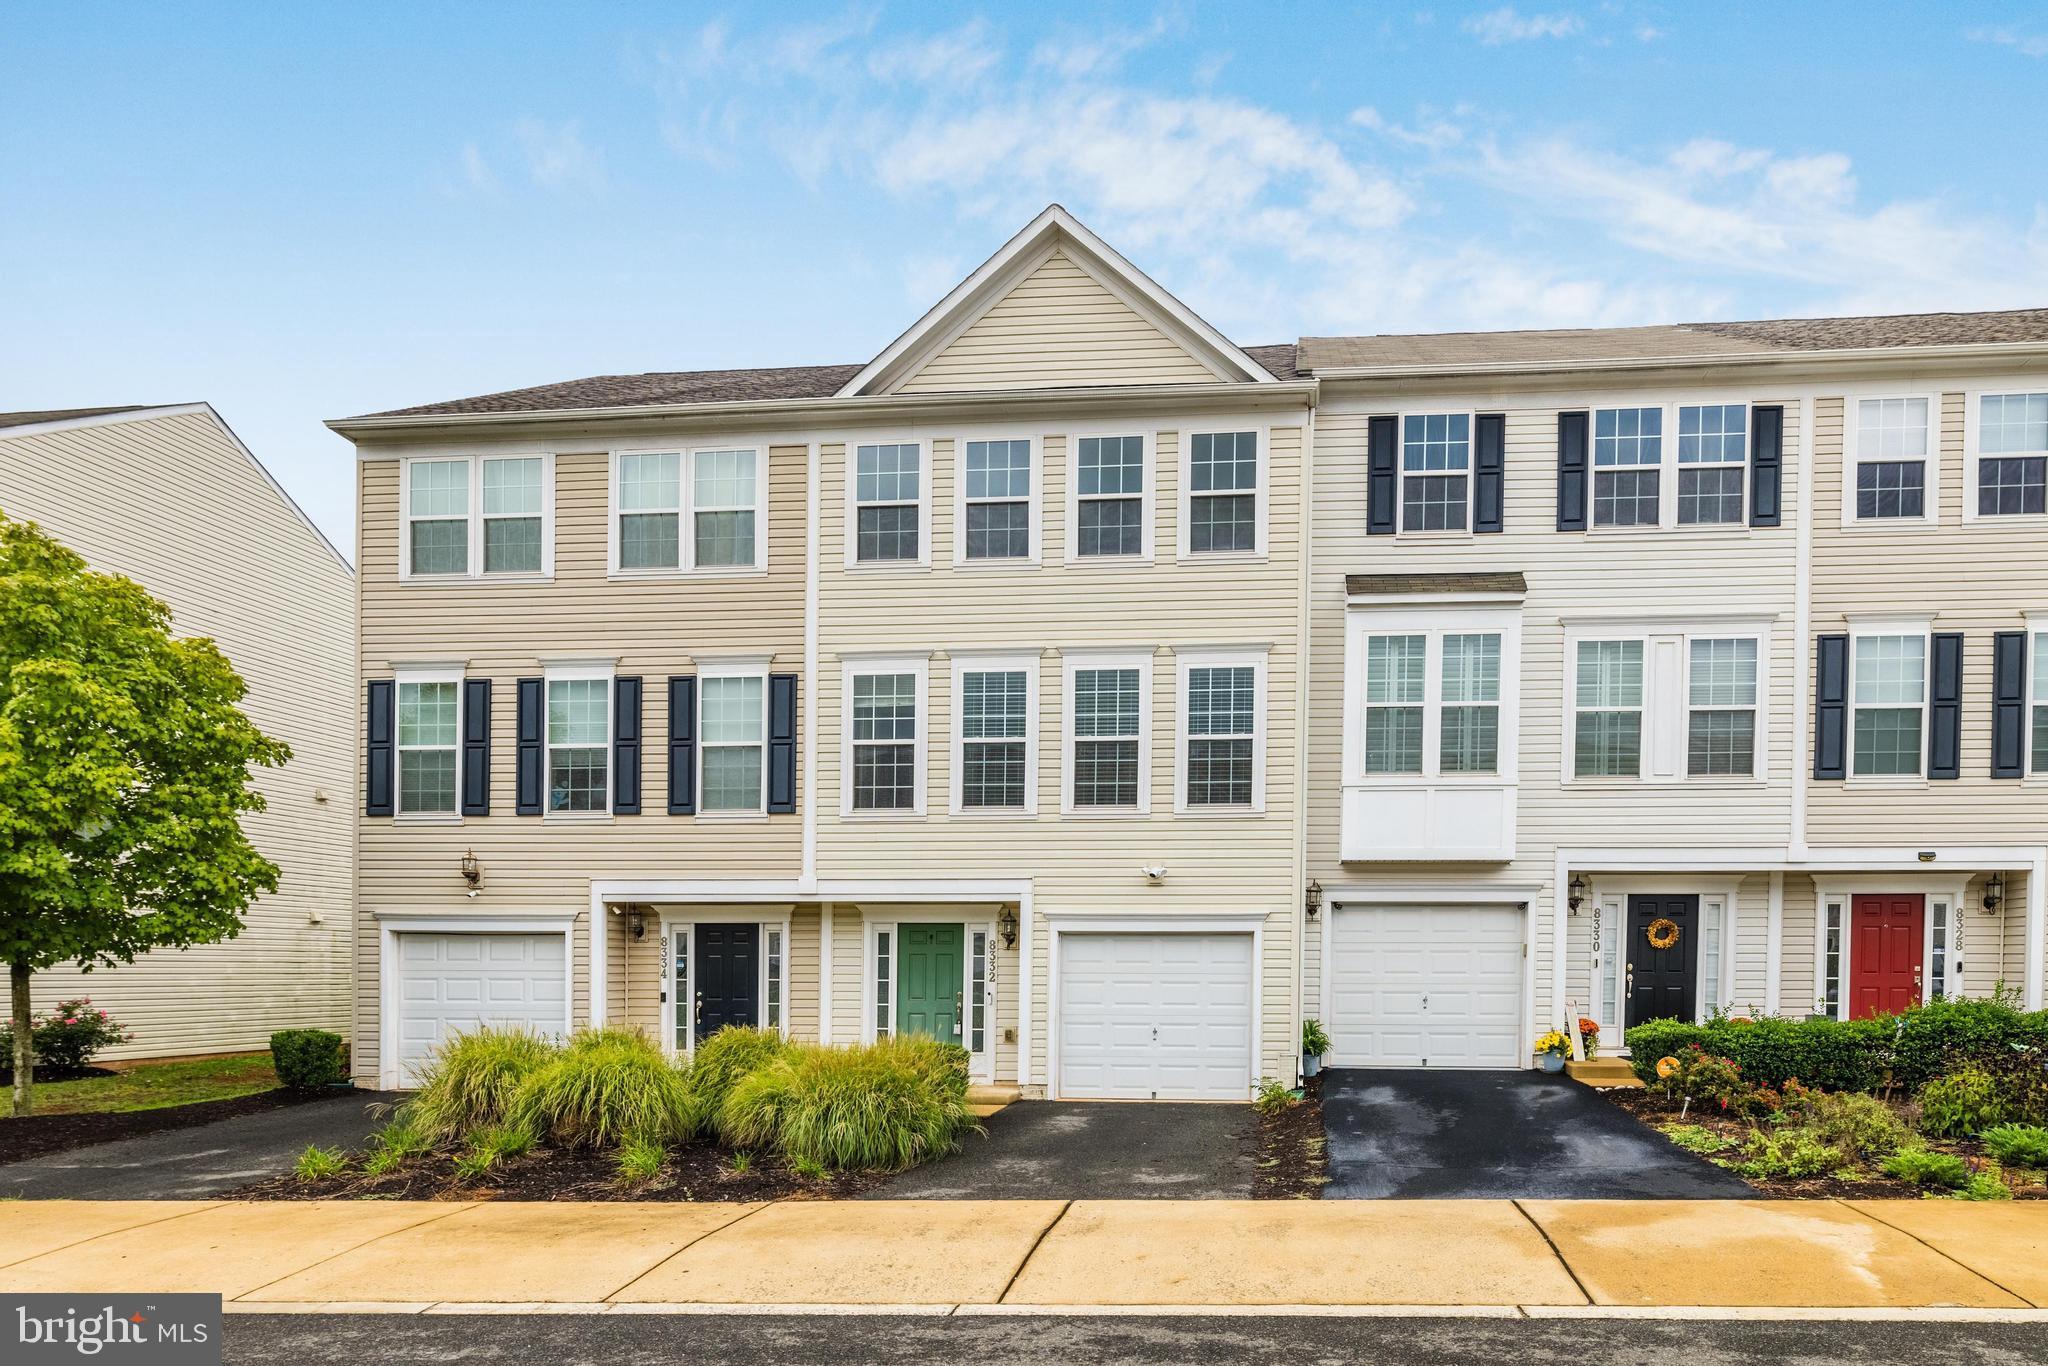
<point x="700" y="1007"/>
<point x="958" y="1003"/>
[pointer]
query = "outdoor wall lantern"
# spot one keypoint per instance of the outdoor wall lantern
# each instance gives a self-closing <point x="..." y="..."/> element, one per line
<point x="1006" y="926"/>
<point x="1578" y="891"/>
<point x="1994" y="892"/>
<point x="1312" y="899"/>
<point x="637" y="923"/>
<point x="472" y="871"/>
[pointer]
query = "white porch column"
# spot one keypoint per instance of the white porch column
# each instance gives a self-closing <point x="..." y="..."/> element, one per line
<point x="2037" y="927"/>
<point x="1774" y="947"/>
<point x="825" y="914"/>
<point x="1027" y="979"/>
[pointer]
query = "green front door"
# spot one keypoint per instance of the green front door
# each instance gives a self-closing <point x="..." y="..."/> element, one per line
<point x="928" y="999"/>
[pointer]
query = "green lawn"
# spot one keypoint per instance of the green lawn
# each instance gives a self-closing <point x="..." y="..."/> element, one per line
<point x="152" y="1086"/>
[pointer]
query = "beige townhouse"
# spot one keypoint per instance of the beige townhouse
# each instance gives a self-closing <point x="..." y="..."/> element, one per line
<point x="170" y="497"/>
<point x="1672" y="670"/>
<point x="1073" y="683"/>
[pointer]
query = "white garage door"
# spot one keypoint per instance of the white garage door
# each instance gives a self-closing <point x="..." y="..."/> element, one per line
<point x="1155" y="1016"/>
<point x="1425" y="986"/>
<point x="453" y="983"/>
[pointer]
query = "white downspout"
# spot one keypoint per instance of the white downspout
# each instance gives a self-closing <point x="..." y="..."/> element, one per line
<point x="1802" y="630"/>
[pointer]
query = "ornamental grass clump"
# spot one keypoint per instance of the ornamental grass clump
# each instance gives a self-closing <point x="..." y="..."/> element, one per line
<point x="870" y="1107"/>
<point x="728" y="1055"/>
<point x="471" y="1080"/>
<point x="608" y="1085"/>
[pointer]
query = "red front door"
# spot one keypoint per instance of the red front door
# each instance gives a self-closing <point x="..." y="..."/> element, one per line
<point x="1884" y="953"/>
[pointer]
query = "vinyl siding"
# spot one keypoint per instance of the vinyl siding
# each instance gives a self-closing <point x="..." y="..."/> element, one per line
<point x="1059" y="326"/>
<point x="174" y="503"/>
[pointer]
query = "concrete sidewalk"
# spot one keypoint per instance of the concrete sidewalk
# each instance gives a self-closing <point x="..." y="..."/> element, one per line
<point x="1013" y="1256"/>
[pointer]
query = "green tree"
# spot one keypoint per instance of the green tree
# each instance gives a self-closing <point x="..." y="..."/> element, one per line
<point x="124" y="772"/>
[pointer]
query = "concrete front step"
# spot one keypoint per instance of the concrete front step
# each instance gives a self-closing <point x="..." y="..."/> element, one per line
<point x="983" y="1101"/>
<point x="1604" y="1074"/>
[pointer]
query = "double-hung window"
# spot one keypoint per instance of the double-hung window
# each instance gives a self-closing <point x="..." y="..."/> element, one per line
<point x="997" y="501"/>
<point x="1223" y="492"/>
<point x="1713" y="463"/>
<point x="579" y="734"/>
<point x="1891" y="454"/>
<point x="1888" y="702"/>
<point x="685" y="511"/>
<point x="994" y="761"/>
<point x="2012" y="454"/>
<point x="429" y="740"/>
<point x="1222" y="739"/>
<point x="1721" y="707"/>
<point x="733" y="740"/>
<point x="1111" y="498"/>
<point x="888" y="503"/>
<point x="884" y="719"/>
<point x="1607" y="736"/>
<point x="1628" y="459"/>
<point x="1433" y="702"/>
<point x="488" y="515"/>
<point x="2038" y="702"/>
<point x="1109" y="718"/>
<point x="1436" y="471"/>
<point x="1396" y="682"/>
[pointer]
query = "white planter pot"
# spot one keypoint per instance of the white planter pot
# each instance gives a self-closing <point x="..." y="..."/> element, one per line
<point x="1311" y="1064"/>
<point x="1552" y="1062"/>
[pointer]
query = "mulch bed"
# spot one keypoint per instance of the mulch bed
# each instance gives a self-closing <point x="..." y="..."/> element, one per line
<point x="1290" y="1152"/>
<point x="40" y="1135"/>
<point x="1653" y="1109"/>
<point x="697" y="1172"/>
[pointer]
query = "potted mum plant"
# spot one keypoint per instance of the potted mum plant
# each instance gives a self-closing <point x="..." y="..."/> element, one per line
<point x="1589" y="1034"/>
<point x="1314" y="1043"/>
<point x="1552" y="1049"/>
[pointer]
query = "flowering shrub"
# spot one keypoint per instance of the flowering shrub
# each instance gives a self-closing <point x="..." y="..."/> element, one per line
<point x="1700" y="1076"/>
<point x="67" y="1035"/>
<point x="1589" y="1034"/>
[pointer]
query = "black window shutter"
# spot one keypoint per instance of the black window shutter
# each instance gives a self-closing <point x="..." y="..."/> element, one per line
<point x="2009" y="704"/>
<point x="1766" y="464"/>
<point x="781" y="744"/>
<point x="1489" y="470"/>
<point x="682" y="746"/>
<point x="1831" y="707"/>
<point x="528" y="769"/>
<point x="1382" y="484"/>
<point x="377" y="747"/>
<point x="1571" y="471"/>
<point x="1945" y="715"/>
<point x="476" y="746"/>
<point x="626" y="746"/>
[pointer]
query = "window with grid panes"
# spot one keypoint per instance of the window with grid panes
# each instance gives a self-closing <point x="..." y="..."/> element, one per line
<point x="993" y="728"/>
<point x="1222" y="713"/>
<point x="2012" y="454"/>
<point x="1628" y="456"/>
<point x="2039" y="701"/>
<point x="1721" y="708"/>
<point x="1223" y="512"/>
<point x="998" y="500"/>
<point x="886" y="482"/>
<point x="1891" y="457"/>
<point x="579" y="743"/>
<point x="512" y="515"/>
<point x="1713" y="462"/>
<point x="1888" y="695"/>
<point x="1106" y="727"/>
<point x="1436" y="464"/>
<point x="1607" y="737"/>
<point x="1110" y="496"/>
<point x="437" y="516"/>
<point x="733" y="737"/>
<point x="884" y="742"/>
<point x="428" y="738"/>
<point x="724" y="491"/>
<point x="650" y="511"/>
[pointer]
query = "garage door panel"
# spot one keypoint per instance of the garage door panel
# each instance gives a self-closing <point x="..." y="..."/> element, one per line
<point x="1436" y="986"/>
<point x="454" y="983"/>
<point x="1164" y="1015"/>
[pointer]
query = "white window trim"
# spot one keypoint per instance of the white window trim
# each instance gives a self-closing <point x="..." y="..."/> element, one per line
<point x="1256" y="659"/>
<point x="678" y="921"/>
<point x="1471" y="416"/>
<point x="570" y="672"/>
<point x="749" y="667"/>
<point x="1034" y="516"/>
<point x="1149" y="437"/>
<point x="981" y="1066"/>
<point x="967" y="662"/>
<point x="850" y="531"/>
<point x="424" y="673"/>
<point x="919" y="666"/>
<point x="1844" y="888"/>
<point x="1922" y="627"/>
<point x="2037" y="643"/>
<point x="1852" y="457"/>
<point x="1674" y="711"/>
<point x="1668" y="466"/>
<point x="686" y="510"/>
<point x="476" y="518"/>
<point x="1262" y="434"/>
<point x="1973" y="415"/>
<point x="1363" y="623"/>
<point x="1074" y="661"/>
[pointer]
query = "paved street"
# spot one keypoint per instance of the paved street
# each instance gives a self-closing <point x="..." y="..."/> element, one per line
<point x="759" y="1340"/>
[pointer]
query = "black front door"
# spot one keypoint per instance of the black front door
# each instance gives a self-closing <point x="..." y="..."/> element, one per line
<point x="728" y="977"/>
<point x="1663" y="982"/>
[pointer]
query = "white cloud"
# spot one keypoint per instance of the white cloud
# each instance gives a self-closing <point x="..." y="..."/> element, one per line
<point x="2026" y="44"/>
<point x="965" y="54"/>
<point x="476" y="171"/>
<point x="557" y="157"/>
<point x="1097" y="54"/>
<point x="1509" y="25"/>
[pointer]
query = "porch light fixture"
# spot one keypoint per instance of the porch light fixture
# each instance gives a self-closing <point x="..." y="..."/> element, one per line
<point x="1155" y="873"/>
<point x="1312" y="899"/>
<point x="472" y="871"/>
<point x="1578" y="891"/>
<point x="1994" y="892"/>
<point x="637" y="923"/>
<point x="1006" y="926"/>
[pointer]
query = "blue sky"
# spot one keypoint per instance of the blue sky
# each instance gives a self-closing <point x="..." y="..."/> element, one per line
<point x="305" y="211"/>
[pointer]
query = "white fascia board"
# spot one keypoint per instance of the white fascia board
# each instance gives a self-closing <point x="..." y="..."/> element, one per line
<point x="1900" y="356"/>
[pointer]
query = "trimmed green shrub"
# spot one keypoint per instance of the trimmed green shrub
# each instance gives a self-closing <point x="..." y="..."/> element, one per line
<point x="1790" y="1154"/>
<point x="727" y="1056"/>
<point x="1923" y="1167"/>
<point x="1938" y="1037"/>
<point x="1855" y="1123"/>
<point x="606" y="1086"/>
<point x="471" y="1080"/>
<point x="2018" y="1145"/>
<point x="881" y="1106"/>
<point x="1961" y="1104"/>
<point x="308" y="1059"/>
<point x="1852" y="1055"/>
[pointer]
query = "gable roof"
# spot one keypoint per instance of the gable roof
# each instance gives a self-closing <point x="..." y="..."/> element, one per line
<point x="34" y="417"/>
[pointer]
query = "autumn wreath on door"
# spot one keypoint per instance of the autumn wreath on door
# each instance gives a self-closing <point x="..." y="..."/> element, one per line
<point x="1662" y="933"/>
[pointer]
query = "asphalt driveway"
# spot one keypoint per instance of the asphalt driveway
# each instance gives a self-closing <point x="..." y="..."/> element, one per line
<point x="200" y="1163"/>
<point x="1093" y="1150"/>
<point x="1407" y="1134"/>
